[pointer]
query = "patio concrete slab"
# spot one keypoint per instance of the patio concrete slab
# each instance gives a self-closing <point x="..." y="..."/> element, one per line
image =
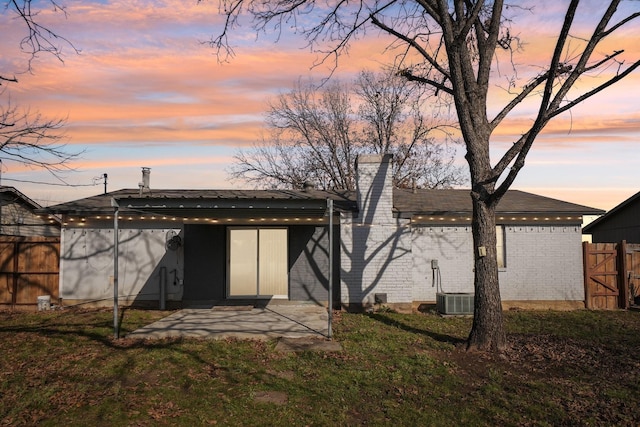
<point x="261" y="323"/>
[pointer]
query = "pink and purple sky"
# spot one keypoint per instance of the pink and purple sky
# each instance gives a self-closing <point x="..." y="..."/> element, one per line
<point x="145" y="92"/>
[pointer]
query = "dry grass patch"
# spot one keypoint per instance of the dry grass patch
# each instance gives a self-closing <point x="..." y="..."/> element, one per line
<point x="569" y="368"/>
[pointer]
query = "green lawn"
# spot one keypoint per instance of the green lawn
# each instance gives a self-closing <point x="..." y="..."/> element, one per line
<point x="562" y="368"/>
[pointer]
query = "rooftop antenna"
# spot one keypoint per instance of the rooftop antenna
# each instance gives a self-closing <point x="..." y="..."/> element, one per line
<point x="97" y="179"/>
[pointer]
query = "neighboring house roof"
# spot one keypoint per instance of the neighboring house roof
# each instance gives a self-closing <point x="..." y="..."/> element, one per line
<point x="406" y="202"/>
<point x="20" y="216"/>
<point x="17" y="195"/>
<point x="609" y="216"/>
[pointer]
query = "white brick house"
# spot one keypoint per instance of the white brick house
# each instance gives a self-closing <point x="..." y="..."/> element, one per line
<point x="390" y="253"/>
<point x="275" y="244"/>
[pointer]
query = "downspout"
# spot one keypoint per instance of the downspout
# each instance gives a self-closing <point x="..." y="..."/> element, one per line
<point x="330" y="302"/>
<point x="116" y="325"/>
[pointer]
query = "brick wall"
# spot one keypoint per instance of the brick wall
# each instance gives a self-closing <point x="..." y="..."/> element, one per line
<point x="543" y="263"/>
<point x="381" y="254"/>
<point x="375" y="259"/>
<point x="452" y="247"/>
<point x="375" y="247"/>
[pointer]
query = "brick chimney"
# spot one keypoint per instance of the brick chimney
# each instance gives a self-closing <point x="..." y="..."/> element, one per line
<point x="374" y="184"/>
<point x="144" y="184"/>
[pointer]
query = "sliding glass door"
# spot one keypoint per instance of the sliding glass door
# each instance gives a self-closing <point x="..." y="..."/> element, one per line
<point x="258" y="262"/>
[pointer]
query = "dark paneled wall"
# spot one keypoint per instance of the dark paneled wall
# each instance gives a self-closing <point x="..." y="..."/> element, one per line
<point x="204" y="262"/>
<point x="309" y="261"/>
<point x="622" y="225"/>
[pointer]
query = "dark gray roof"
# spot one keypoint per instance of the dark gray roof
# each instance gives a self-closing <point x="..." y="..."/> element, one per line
<point x="441" y="202"/>
<point x="407" y="202"/>
<point x="101" y="204"/>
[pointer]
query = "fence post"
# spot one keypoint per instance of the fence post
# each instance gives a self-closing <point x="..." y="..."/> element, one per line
<point x="623" y="279"/>
<point x="15" y="275"/>
<point x="585" y="267"/>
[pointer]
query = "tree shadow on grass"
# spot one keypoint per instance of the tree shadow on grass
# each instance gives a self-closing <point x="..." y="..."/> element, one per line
<point x="87" y="327"/>
<point x="443" y="338"/>
<point x="83" y="324"/>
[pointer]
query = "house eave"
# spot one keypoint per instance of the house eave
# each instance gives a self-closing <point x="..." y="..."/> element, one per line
<point x="502" y="218"/>
<point x="219" y="208"/>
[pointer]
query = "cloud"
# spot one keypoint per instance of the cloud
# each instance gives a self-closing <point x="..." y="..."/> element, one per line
<point x="154" y="162"/>
<point x="593" y="126"/>
<point x="146" y="87"/>
<point x="240" y="134"/>
<point x="122" y="87"/>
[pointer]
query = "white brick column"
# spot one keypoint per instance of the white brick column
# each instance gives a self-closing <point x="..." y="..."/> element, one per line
<point x="376" y="247"/>
<point x="374" y="189"/>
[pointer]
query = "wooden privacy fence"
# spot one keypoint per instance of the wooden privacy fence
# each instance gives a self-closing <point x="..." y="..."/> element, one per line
<point x="29" y="267"/>
<point x="611" y="275"/>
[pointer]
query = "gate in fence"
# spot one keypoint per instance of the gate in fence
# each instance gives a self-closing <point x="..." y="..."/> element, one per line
<point x="29" y="267"/>
<point x="611" y="275"/>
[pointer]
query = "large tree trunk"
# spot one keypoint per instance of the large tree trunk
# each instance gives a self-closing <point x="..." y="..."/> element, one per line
<point x="487" y="332"/>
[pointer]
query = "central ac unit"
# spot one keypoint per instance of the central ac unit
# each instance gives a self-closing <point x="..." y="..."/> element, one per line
<point x="454" y="303"/>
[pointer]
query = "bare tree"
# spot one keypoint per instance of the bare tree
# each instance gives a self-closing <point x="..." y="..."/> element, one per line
<point x="38" y="38"/>
<point x="315" y="134"/>
<point x="395" y="122"/>
<point x="452" y="46"/>
<point x="29" y="139"/>
<point x="25" y="136"/>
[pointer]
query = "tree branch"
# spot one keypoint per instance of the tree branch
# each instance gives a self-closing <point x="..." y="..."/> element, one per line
<point x="414" y="44"/>
<point x="596" y="90"/>
<point x="412" y="77"/>
<point x="28" y="139"/>
<point x="526" y="141"/>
